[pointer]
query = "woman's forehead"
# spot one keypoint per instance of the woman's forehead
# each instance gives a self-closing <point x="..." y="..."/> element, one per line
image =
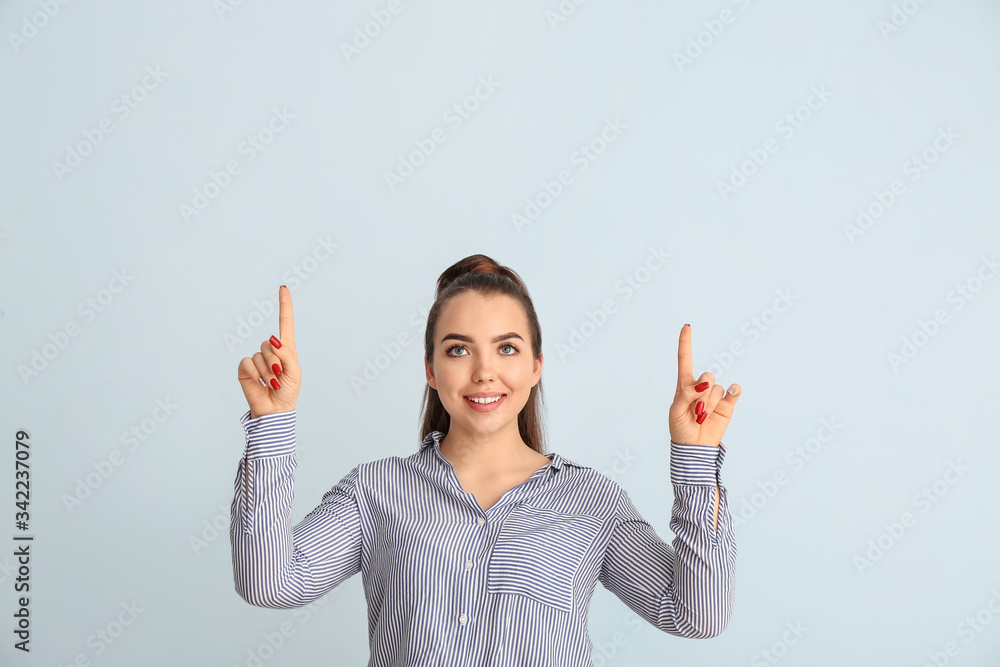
<point x="492" y="315"/>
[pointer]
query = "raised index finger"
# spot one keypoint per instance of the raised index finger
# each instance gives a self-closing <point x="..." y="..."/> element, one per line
<point x="286" y="328"/>
<point x="685" y="372"/>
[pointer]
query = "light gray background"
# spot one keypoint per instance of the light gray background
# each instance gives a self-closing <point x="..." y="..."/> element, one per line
<point x="167" y="336"/>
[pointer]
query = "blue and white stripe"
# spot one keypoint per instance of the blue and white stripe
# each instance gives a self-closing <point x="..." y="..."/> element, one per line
<point x="450" y="584"/>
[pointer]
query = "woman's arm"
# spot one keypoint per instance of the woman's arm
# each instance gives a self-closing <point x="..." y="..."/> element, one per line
<point x="275" y="565"/>
<point x="687" y="589"/>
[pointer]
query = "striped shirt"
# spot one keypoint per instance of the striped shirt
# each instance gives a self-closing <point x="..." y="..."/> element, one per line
<point x="447" y="583"/>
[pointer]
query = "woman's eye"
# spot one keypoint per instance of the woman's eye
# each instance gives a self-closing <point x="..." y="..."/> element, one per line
<point x="511" y="353"/>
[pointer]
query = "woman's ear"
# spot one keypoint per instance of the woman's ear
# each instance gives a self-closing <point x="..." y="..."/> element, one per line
<point x="429" y="370"/>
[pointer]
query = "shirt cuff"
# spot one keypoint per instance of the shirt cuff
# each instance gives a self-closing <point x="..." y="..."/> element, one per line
<point x="269" y="435"/>
<point x="696" y="464"/>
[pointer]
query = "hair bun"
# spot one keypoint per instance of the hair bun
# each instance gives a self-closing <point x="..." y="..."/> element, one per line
<point x="474" y="264"/>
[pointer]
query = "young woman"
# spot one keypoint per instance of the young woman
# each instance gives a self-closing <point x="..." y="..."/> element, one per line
<point x="480" y="549"/>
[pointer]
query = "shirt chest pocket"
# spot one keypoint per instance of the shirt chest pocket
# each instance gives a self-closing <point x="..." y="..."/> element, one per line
<point x="538" y="553"/>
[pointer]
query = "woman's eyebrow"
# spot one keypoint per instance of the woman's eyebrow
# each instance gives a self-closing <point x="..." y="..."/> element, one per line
<point x="468" y="339"/>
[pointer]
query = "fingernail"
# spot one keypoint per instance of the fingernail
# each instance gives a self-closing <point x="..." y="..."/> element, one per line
<point x="284" y="287"/>
<point x="700" y="407"/>
<point x="275" y="342"/>
<point x="276" y="368"/>
<point x="701" y="417"/>
<point x="701" y="386"/>
<point x="274" y="383"/>
<point x="687" y="325"/>
<point x="730" y="391"/>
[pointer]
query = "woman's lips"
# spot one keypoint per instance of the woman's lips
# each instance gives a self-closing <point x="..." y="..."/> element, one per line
<point x="488" y="407"/>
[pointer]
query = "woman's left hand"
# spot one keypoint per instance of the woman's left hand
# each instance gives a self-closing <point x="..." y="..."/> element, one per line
<point x="687" y="426"/>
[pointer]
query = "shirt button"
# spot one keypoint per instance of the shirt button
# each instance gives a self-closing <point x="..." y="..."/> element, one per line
<point x="480" y="521"/>
<point x="463" y="619"/>
<point x="468" y="565"/>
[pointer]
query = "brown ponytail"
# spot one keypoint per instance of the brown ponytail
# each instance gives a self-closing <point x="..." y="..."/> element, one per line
<point x="485" y="276"/>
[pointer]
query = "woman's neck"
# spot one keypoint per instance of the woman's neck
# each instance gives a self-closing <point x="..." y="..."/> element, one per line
<point x="487" y="452"/>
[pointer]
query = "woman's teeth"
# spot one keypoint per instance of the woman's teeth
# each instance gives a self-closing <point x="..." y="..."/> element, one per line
<point x="484" y="401"/>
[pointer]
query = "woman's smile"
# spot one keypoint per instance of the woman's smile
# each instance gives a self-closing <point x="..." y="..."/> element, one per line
<point x="484" y="402"/>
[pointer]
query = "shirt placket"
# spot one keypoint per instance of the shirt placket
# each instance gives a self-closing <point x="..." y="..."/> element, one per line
<point x="473" y="560"/>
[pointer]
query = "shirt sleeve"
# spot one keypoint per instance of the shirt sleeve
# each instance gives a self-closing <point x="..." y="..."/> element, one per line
<point x="274" y="564"/>
<point x="687" y="589"/>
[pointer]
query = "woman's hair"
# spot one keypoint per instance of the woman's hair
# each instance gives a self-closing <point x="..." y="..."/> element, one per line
<point x="485" y="276"/>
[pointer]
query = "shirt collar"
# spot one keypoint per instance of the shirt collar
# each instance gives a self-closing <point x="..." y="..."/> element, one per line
<point x="434" y="438"/>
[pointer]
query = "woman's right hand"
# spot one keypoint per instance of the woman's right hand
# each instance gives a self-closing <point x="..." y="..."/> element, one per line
<point x="264" y="400"/>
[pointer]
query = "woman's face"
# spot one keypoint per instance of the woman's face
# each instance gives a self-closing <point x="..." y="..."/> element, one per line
<point x="482" y="346"/>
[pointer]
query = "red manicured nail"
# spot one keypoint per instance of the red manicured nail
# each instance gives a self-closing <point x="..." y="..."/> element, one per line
<point x="274" y="383"/>
<point x="700" y="407"/>
<point x="700" y="418"/>
<point x="275" y="342"/>
<point x="701" y="386"/>
<point x="276" y="368"/>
